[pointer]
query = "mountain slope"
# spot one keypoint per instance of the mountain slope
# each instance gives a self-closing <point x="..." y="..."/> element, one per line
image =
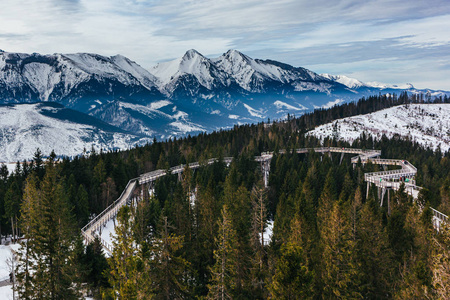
<point x="75" y="80"/>
<point x="198" y="93"/>
<point x="427" y="124"/>
<point x="50" y="126"/>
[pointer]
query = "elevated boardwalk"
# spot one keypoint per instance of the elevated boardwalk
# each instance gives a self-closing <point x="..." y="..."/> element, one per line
<point x="383" y="180"/>
<point x="110" y="212"/>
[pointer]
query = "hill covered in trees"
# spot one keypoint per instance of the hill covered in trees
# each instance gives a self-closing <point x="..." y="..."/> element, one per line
<point x="201" y="236"/>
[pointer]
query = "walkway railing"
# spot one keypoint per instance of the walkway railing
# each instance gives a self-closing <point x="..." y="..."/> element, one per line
<point x="381" y="179"/>
<point x="110" y="212"/>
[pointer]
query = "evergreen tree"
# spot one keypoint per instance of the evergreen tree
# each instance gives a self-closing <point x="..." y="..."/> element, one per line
<point x="292" y="278"/>
<point x="374" y="253"/>
<point x="259" y="224"/>
<point x="169" y="270"/>
<point x="225" y="255"/>
<point x="124" y="277"/>
<point x="13" y="199"/>
<point x="340" y="272"/>
<point x="52" y="240"/>
<point x="25" y="287"/>
<point x="96" y="266"/>
<point x="440" y="264"/>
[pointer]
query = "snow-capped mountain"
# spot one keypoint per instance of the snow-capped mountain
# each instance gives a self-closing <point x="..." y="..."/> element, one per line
<point x="255" y="75"/>
<point x="50" y="126"/>
<point x="191" y="64"/>
<point x="74" y="80"/>
<point x="188" y="95"/>
<point x="427" y="124"/>
<point x="347" y="81"/>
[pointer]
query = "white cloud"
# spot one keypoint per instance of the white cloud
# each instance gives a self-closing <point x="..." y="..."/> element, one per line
<point x="304" y="33"/>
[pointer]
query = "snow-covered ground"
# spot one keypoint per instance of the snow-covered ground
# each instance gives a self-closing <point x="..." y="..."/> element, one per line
<point x="25" y="127"/>
<point x="427" y="124"/>
<point x="5" y="268"/>
<point x="268" y="233"/>
<point x="108" y="231"/>
<point x="6" y="292"/>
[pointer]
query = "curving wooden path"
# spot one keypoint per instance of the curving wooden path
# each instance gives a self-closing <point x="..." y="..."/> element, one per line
<point x="384" y="181"/>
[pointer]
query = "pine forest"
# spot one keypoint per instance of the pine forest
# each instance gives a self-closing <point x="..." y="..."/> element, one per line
<point x="205" y="234"/>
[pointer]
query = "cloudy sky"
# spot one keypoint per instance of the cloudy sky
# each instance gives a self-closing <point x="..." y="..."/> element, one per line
<point x="385" y="40"/>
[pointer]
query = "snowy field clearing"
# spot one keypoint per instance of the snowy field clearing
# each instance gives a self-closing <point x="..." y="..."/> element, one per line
<point x="426" y="124"/>
<point x="5" y="269"/>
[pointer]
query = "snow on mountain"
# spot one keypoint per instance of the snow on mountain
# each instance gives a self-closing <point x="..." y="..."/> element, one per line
<point x="384" y="86"/>
<point x="194" y="64"/>
<point x="347" y="81"/>
<point x="427" y="124"/>
<point x="253" y="74"/>
<point x="282" y="105"/>
<point x="330" y="104"/>
<point x="145" y="77"/>
<point x="353" y="83"/>
<point x="159" y="119"/>
<point x="188" y="95"/>
<point x="26" y="127"/>
<point x="253" y="112"/>
<point x="72" y="79"/>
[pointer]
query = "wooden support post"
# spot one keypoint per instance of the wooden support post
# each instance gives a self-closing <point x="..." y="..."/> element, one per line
<point x="367" y="191"/>
<point x="389" y="202"/>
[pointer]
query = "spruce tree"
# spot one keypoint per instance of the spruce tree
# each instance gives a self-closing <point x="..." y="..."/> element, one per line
<point x="440" y="263"/>
<point x="51" y="240"/>
<point x="340" y="271"/>
<point x="168" y="269"/>
<point x="225" y="255"/>
<point x="259" y="224"/>
<point x="26" y="254"/>
<point x="292" y="278"/>
<point x="124" y="276"/>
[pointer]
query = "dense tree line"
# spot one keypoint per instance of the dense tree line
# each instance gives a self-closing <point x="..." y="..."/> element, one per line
<point x="202" y="236"/>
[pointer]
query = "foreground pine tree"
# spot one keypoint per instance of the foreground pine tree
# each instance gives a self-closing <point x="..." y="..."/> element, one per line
<point x="224" y="269"/>
<point x="124" y="276"/>
<point x="168" y="271"/>
<point x="47" y="268"/>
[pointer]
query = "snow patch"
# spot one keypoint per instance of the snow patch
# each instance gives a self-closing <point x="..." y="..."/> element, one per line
<point x="253" y="112"/>
<point x="23" y="129"/>
<point x="159" y="104"/>
<point x="186" y="127"/>
<point x="280" y="105"/>
<point x="330" y="104"/>
<point x="426" y="124"/>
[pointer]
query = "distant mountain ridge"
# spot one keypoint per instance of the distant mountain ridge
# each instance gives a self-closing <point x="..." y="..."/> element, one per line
<point x="187" y="95"/>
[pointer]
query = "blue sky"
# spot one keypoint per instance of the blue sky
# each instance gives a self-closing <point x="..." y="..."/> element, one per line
<point x="386" y="40"/>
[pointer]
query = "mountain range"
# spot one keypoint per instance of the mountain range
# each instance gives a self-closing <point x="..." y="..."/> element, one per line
<point x="187" y="95"/>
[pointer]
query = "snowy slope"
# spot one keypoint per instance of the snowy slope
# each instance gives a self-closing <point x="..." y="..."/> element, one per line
<point x="347" y="81"/>
<point x="160" y="119"/>
<point x="188" y="95"/>
<point x="427" y="124"/>
<point x="194" y="64"/>
<point x="253" y="74"/>
<point x="72" y="79"/>
<point x="26" y="127"/>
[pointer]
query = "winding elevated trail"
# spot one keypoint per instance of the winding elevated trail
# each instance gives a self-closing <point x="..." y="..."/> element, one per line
<point x="383" y="180"/>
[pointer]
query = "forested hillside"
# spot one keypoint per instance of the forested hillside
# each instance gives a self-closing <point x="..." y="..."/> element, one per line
<point x="201" y="236"/>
